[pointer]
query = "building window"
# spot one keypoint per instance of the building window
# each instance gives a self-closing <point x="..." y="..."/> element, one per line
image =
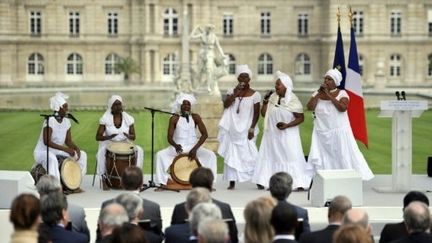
<point x="74" y="23"/>
<point x="227" y="24"/>
<point x="170" y="22"/>
<point x="169" y="64"/>
<point x="430" y="65"/>
<point x="265" y="64"/>
<point x="231" y="64"/>
<point x="36" y="64"/>
<point x="35" y="22"/>
<point x="395" y="65"/>
<point x="303" y="22"/>
<point x="358" y="22"/>
<point x="74" y="64"/>
<point x="111" y="62"/>
<point x="303" y="64"/>
<point x="265" y="23"/>
<point x="430" y="22"/>
<point x="112" y="23"/>
<point x="395" y="23"/>
<point x="361" y="64"/>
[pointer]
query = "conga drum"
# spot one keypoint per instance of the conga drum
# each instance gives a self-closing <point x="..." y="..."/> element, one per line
<point x="182" y="167"/>
<point x="119" y="155"/>
<point x="70" y="174"/>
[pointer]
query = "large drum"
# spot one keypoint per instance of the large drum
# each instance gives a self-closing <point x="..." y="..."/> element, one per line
<point x="182" y="167"/>
<point x="119" y="155"/>
<point x="70" y="173"/>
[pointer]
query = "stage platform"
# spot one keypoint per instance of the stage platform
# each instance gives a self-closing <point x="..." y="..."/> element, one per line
<point x="381" y="207"/>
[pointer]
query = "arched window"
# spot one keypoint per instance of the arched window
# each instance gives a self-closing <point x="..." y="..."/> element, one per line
<point x="395" y="65"/>
<point x="429" y="65"/>
<point x="231" y="64"/>
<point x="110" y="64"/>
<point x="361" y="63"/>
<point x="170" y="22"/>
<point x="169" y="64"/>
<point x="303" y="64"/>
<point x="36" y="64"/>
<point x="74" y="64"/>
<point x="265" y="64"/>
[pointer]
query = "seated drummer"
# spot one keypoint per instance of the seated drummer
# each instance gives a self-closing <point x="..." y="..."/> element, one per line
<point x="60" y="139"/>
<point x="183" y="139"/>
<point x="115" y="126"/>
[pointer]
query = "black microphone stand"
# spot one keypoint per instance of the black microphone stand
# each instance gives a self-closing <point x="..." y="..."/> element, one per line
<point x="47" y="117"/>
<point x="151" y="181"/>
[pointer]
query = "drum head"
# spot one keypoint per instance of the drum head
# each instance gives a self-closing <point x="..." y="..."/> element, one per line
<point x="121" y="147"/>
<point x="70" y="174"/>
<point x="182" y="167"/>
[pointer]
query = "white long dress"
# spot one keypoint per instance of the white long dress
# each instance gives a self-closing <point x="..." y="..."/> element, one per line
<point x="58" y="136"/>
<point x="281" y="150"/>
<point x="108" y="121"/>
<point x="185" y="135"/>
<point x="333" y="145"/>
<point x="240" y="154"/>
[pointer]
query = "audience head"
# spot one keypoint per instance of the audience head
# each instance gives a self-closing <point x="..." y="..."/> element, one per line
<point x="111" y="216"/>
<point x="132" y="178"/>
<point x="133" y="204"/>
<point x="54" y="209"/>
<point x="213" y="231"/>
<point x="351" y="234"/>
<point x="128" y="233"/>
<point x="284" y="218"/>
<point x="417" y="217"/>
<point x="25" y="212"/>
<point x="195" y="196"/>
<point x="47" y="184"/>
<point x="337" y="208"/>
<point x="257" y="214"/>
<point x="280" y="185"/>
<point x="415" y="196"/>
<point x="201" y="212"/>
<point x="202" y="177"/>
<point x="359" y="217"/>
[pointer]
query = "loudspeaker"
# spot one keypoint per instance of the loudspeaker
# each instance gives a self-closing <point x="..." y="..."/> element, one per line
<point x="429" y="166"/>
<point x="330" y="183"/>
<point x="13" y="183"/>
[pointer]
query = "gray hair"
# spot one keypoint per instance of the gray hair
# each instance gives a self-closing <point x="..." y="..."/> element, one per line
<point x="203" y="211"/>
<point x="113" y="215"/>
<point x="132" y="203"/>
<point x="340" y="204"/>
<point x="48" y="184"/>
<point x="213" y="231"/>
<point x="356" y="216"/>
<point x="195" y="196"/>
<point x="280" y="185"/>
<point x="52" y="206"/>
<point x="417" y="217"/>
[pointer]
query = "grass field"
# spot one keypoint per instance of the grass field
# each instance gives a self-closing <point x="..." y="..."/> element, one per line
<point x="19" y="131"/>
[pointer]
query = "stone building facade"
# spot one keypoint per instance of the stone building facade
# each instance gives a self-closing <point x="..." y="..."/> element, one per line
<point x="75" y="42"/>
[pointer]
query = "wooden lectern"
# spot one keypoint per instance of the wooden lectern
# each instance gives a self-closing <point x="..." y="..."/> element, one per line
<point x="401" y="112"/>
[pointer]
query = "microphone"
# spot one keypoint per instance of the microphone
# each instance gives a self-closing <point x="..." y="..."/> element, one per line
<point x="268" y="94"/>
<point x="403" y="95"/>
<point x="397" y="95"/>
<point x="185" y="115"/>
<point x="70" y="116"/>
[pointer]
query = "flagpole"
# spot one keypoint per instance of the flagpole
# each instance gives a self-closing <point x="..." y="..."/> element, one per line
<point x="350" y="16"/>
<point x="338" y="16"/>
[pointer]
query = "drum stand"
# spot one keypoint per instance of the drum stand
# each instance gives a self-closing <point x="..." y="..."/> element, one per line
<point x="151" y="181"/>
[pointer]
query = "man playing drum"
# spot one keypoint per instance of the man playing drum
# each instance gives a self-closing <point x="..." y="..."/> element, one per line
<point x="183" y="139"/>
<point x="60" y="139"/>
<point x="116" y="127"/>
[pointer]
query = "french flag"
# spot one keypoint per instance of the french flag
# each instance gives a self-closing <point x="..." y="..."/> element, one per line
<point x="353" y="87"/>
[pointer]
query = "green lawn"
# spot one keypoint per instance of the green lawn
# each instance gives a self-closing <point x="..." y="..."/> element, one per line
<point x="19" y="131"/>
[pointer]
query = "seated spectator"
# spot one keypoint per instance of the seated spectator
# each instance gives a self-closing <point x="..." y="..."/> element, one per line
<point x="111" y="216"/>
<point x="257" y="214"/>
<point x="284" y="222"/>
<point x="352" y="233"/>
<point x="200" y="213"/>
<point x="213" y="231"/>
<point x="25" y="217"/>
<point x="128" y="233"/>
<point x="359" y="217"/>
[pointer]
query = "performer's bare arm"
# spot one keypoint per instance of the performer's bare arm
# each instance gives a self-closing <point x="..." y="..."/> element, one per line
<point x="131" y="134"/>
<point x="71" y="144"/>
<point x="298" y="118"/>
<point x="47" y="134"/>
<point x="172" y="125"/>
<point x="229" y="100"/>
<point x="100" y="134"/>
<point x="251" y="133"/>
<point x="203" y="130"/>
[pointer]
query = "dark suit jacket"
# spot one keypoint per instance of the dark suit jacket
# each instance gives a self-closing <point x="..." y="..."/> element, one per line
<point x="415" y="238"/>
<point x="284" y="241"/>
<point x="179" y="216"/>
<point x="321" y="236"/>
<point x="177" y="233"/>
<point x="59" y="234"/>
<point x="303" y="214"/>
<point x="77" y="218"/>
<point x="392" y="232"/>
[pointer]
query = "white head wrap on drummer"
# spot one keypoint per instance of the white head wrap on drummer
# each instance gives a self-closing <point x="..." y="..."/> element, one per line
<point x="184" y="96"/>
<point x="107" y="117"/>
<point x="336" y="75"/>
<point x="57" y="101"/>
<point x="243" y="68"/>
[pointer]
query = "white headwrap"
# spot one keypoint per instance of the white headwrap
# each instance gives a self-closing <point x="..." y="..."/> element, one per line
<point x="243" y="68"/>
<point x="180" y="98"/>
<point x="336" y="75"/>
<point x="107" y="117"/>
<point x="57" y="101"/>
<point x="285" y="79"/>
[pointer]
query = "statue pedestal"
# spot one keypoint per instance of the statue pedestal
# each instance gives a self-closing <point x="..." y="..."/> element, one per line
<point x="210" y="108"/>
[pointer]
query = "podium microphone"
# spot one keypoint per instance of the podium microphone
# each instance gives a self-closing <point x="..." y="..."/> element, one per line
<point x="185" y="115"/>
<point x="70" y="116"/>
<point x="397" y="95"/>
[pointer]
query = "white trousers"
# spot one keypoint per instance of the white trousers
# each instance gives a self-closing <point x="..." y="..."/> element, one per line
<point x="40" y="158"/>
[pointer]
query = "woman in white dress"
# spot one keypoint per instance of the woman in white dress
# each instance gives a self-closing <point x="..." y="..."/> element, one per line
<point x="333" y="145"/>
<point x="115" y="126"/>
<point x="183" y="139"/>
<point x="238" y="129"/>
<point x="60" y="142"/>
<point x="281" y="149"/>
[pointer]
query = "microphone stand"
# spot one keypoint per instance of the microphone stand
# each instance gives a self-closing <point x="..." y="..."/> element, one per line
<point x="151" y="181"/>
<point x="47" y="117"/>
